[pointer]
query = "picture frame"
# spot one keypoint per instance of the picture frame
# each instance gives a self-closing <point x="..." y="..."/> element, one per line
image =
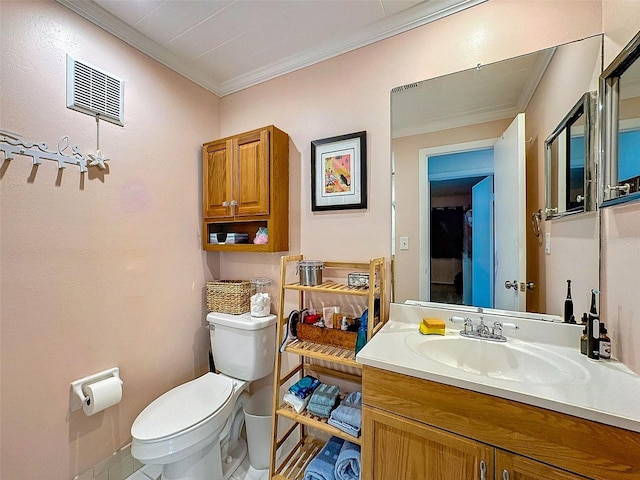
<point x="339" y="172"/>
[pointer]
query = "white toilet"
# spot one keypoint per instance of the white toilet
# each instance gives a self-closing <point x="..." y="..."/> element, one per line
<point x="193" y="430"/>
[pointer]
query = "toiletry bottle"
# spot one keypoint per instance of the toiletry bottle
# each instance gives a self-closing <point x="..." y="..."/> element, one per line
<point x="605" y="343"/>
<point x="594" y="329"/>
<point x="585" y="319"/>
<point x="568" y="304"/>
<point x="584" y="341"/>
<point x="337" y="318"/>
<point x="361" y="339"/>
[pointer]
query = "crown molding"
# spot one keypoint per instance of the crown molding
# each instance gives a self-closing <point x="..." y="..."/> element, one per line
<point x="416" y="16"/>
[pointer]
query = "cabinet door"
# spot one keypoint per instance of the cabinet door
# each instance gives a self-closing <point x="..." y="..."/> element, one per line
<point x="217" y="175"/>
<point x="252" y="174"/>
<point x="510" y="466"/>
<point x="401" y="449"/>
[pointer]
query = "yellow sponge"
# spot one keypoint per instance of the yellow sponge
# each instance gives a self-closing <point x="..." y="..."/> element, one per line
<point x="432" y="326"/>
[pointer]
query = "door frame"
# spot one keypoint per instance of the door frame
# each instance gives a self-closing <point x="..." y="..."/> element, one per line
<point x="424" y="278"/>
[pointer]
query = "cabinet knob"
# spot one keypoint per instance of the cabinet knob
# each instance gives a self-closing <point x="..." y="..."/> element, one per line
<point x="225" y="204"/>
<point x="505" y="474"/>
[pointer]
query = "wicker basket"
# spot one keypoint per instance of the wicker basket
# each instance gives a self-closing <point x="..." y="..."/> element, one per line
<point x="229" y="296"/>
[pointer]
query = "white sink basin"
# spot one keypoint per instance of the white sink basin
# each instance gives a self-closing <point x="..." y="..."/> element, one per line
<point x="513" y="361"/>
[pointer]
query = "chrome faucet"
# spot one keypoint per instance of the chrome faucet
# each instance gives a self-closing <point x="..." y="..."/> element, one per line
<point x="483" y="331"/>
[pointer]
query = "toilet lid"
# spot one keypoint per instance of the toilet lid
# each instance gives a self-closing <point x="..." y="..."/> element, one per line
<point x="182" y="407"/>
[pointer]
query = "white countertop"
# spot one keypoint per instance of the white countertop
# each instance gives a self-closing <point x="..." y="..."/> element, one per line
<point x="608" y="393"/>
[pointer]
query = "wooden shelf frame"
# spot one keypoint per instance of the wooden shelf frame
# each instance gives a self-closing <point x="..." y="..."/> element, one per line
<point x="292" y="468"/>
<point x="311" y="420"/>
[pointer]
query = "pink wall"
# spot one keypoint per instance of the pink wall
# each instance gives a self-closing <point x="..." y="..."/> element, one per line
<point x="407" y="157"/>
<point x="350" y="93"/>
<point x="573" y="70"/>
<point x="97" y="271"/>
<point x="109" y="271"/>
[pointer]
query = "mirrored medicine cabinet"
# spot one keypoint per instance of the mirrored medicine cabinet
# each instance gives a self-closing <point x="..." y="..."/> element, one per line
<point x="620" y="87"/>
<point x="570" y="161"/>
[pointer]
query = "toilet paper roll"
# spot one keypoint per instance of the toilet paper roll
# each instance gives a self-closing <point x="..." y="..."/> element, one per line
<point x="101" y="395"/>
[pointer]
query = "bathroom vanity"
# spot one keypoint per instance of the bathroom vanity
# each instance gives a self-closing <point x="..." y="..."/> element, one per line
<point x="549" y="413"/>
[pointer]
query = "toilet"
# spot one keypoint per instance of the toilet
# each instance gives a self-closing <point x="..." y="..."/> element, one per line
<point x="193" y="430"/>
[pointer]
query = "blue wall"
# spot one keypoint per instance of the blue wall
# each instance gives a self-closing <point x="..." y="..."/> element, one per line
<point x="459" y="165"/>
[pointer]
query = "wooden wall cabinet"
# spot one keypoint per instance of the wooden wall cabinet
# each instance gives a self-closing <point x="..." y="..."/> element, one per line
<point x="245" y="186"/>
<point x="421" y="429"/>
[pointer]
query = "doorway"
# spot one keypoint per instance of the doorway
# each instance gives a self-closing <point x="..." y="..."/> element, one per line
<point x="460" y="243"/>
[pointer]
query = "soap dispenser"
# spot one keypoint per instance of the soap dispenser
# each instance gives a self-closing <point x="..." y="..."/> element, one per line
<point x="593" y="328"/>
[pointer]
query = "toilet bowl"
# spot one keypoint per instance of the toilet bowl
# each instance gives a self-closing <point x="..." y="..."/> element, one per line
<point x="193" y="430"/>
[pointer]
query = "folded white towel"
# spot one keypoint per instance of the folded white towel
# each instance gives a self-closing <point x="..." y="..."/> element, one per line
<point x="296" y="402"/>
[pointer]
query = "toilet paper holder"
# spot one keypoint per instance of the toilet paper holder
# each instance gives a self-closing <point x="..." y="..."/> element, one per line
<point x="78" y="397"/>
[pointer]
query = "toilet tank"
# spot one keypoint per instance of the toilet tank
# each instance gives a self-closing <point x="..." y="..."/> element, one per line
<point x="243" y="346"/>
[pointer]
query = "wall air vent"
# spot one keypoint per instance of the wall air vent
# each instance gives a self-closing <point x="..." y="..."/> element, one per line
<point x="94" y="92"/>
<point x="404" y="87"/>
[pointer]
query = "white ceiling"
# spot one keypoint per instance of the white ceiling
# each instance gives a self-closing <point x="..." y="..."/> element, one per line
<point x="490" y="92"/>
<point x="228" y="45"/>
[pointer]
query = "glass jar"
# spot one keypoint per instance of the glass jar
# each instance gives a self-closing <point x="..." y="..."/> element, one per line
<point x="260" y="297"/>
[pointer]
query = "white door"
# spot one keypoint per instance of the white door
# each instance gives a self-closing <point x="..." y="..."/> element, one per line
<point x="509" y="216"/>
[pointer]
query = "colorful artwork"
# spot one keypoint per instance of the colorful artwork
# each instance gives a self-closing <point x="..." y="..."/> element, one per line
<point x="337" y="174"/>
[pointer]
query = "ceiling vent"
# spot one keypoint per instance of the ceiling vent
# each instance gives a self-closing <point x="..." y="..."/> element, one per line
<point x="94" y="92"/>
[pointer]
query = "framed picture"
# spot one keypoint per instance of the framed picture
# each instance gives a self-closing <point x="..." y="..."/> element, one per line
<point x="339" y="172"/>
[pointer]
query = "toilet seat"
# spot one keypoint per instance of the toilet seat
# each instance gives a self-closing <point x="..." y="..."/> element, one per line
<point x="204" y="397"/>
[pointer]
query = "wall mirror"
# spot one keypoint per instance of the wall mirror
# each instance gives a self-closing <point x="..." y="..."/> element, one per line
<point x="570" y="161"/>
<point x="468" y="171"/>
<point x="620" y="84"/>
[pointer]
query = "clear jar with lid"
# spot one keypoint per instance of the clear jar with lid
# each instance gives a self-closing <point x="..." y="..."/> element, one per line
<point x="260" y="297"/>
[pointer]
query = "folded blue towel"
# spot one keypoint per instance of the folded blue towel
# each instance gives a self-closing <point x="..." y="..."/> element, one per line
<point x="304" y="387"/>
<point x="354" y="399"/>
<point x="325" y="395"/>
<point x="349" y="415"/>
<point x="323" y="411"/>
<point x="323" y="465"/>
<point x="345" y="427"/>
<point x="348" y="463"/>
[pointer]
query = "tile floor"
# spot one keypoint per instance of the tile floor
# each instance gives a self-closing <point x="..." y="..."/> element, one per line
<point x="244" y="472"/>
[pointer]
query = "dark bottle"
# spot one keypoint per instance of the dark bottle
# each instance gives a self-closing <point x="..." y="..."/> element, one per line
<point x="605" y="343"/>
<point x="584" y="342"/>
<point x="568" y="305"/>
<point x="593" y="328"/>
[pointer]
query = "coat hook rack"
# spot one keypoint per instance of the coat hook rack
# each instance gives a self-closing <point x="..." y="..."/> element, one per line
<point x="12" y="144"/>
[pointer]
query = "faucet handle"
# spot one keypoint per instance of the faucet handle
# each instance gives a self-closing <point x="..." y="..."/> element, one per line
<point x="510" y="326"/>
<point x="468" y="325"/>
<point x="504" y="326"/>
<point x="496" y="331"/>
